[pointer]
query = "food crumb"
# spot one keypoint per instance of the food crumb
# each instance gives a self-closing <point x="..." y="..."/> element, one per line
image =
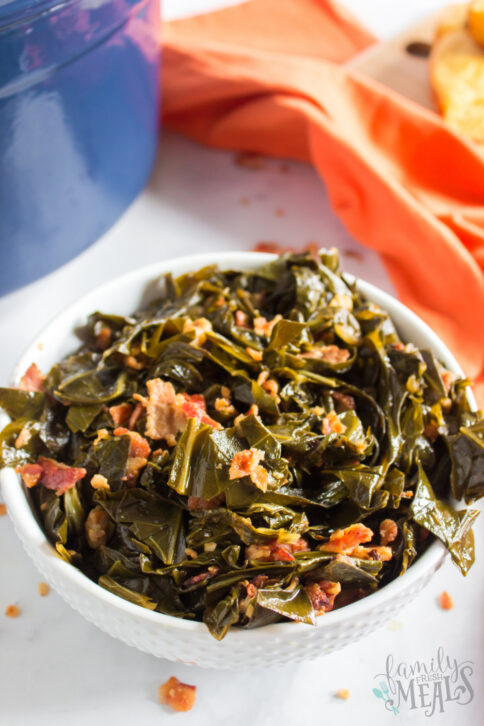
<point x="180" y="696"/>
<point x="279" y="212"/>
<point x="252" y="161"/>
<point x="445" y="601"/>
<point x="353" y="255"/>
<point x="343" y="693"/>
<point x="12" y="611"/>
<point x="244" y="201"/>
<point x="395" y="625"/>
<point x="3" y="510"/>
<point x="43" y="589"/>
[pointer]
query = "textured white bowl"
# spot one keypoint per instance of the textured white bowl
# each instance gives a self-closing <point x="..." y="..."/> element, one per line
<point x="169" y="637"/>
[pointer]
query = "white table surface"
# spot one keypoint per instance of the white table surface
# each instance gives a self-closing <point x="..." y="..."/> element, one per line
<point x="58" y="670"/>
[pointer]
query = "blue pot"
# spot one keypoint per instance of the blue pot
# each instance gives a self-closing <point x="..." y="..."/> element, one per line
<point x="79" y="116"/>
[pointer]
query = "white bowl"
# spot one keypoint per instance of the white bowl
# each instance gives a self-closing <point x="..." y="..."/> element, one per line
<point x="170" y="637"/>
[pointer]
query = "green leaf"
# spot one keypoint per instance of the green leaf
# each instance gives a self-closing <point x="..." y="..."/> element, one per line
<point x="21" y="404"/>
<point x="79" y="418"/>
<point x="294" y="604"/>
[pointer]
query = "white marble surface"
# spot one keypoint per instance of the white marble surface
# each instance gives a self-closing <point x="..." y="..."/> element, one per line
<point x="58" y="670"/>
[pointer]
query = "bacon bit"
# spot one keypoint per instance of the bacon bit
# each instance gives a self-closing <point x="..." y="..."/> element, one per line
<point x="279" y="213"/>
<point x="96" y="526"/>
<point x="43" y="589"/>
<point x="199" y="503"/>
<point x="254" y="354"/>
<point x="99" y="481"/>
<point x="195" y="579"/>
<point x="167" y="412"/>
<point x="32" y="380"/>
<point x="209" y="546"/>
<point x="133" y="468"/>
<point x="3" y="510"/>
<point x="246" y="463"/>
<point x="341" y="300"/>
<point x="332" y="424"/>
<point x="431" y="431"/>
<point x="388" y="531"/>
<point x="191" y="553"/>
<point x="179" y="696"/>
<point x="407" y="494"/>
<point x="132" y="362"/>
<point x="200" y="327"/>
<point x="103" y="338"/>
<point x="399" y="345"/>
<point x="249" y="160"/>
<point x="139" y="446"/>
<point x="329" y="353"/>
<point x="343" y="693"/>
<point x="270" y="385"/>
<point x="447" y="378"/>
<point x="250" y="588"/>
<point x="383" y="554"/>
<point x="276" y="551"/>
<point x="137" y="412"/>
<point x="120" y="414"/>
<point x="219" y="301"/>
<point x="446" y="602"/>
<point x="12" y="611"/>
<point x="348" y="402"/>
<point x="30" y="473"/>
<point x="101" y="435"/>
<point x="23" y="438"/>
<point x="51" y="474"/>
<point x="343" y="541"/>
<point x="253" y="410"/>
<point x="241" y="319"/>
<point x="322" y="595"/>
<point x="445" y="404"/>
<point x="223" y="405"/>
<point x="265" y="327"/>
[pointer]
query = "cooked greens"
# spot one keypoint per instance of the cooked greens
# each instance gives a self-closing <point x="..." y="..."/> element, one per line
<point x="252" y="447"/>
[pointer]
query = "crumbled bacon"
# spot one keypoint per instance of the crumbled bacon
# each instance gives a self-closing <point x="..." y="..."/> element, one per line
<point x="447" y="379"/>
<point x="167" y="412"/>
<point x="32" y="380"/>
<point x="383" y="554"/>
<point x="246" y="463"/>
<point x="121" y="413"/>
<point x="139" y="446"/>
<point x="3" y="509"/>
<point x="96" y="528"/>
<point x="103" y="337"/>
<point x="98" y="481"/>
<point x="179" y="696"/>
<point x="322" y="595"/>
<point x="195" y="503"/>
<point x="388" y="531"/>
<point x="332" y="424"/>
<point x="12" y="611"/>
<point x="262" y="326"/>
<point x="343" y="693"/>
<point x="329" y="353"/>
<point x="431" y="431"/>
<point x="23" y="438"/>
<point x="446" y="602"/>
<point x="196" y="579"/>
<point x="200" y="326"/>
<point x="137" y="412"/>
<point x="133" y="362"/>
<point x="51" y="474"/>
<point x="224" y="406"/>
<point x="347" y="402"/>
<point x="345" y="540"/>
<point x="273" y="550"/>
<point x="241" y="319"/>
<point x="254" y="354"/>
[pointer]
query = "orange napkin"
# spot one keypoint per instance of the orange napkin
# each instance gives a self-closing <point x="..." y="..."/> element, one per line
<point x="267" y="76"/>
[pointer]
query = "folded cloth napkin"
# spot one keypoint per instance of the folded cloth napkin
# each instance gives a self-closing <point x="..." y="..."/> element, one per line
<point x="268" y="76"/>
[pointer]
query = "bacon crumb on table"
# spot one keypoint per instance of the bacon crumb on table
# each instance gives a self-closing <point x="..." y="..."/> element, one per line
<point x="32" y="380"/>
<point x="3" y="509"/>
<point x="12" y="611"/>
<point x="43" y="589"/>
<point x="179" y="696"/>
<point x="343" y="693"/>
<point x="445" y="601"/>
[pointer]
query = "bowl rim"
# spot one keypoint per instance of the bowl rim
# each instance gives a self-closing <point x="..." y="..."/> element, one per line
<point x="34" y="538"/>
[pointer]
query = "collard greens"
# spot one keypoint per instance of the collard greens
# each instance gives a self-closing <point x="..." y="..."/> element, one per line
<point x="253" y="447"/>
